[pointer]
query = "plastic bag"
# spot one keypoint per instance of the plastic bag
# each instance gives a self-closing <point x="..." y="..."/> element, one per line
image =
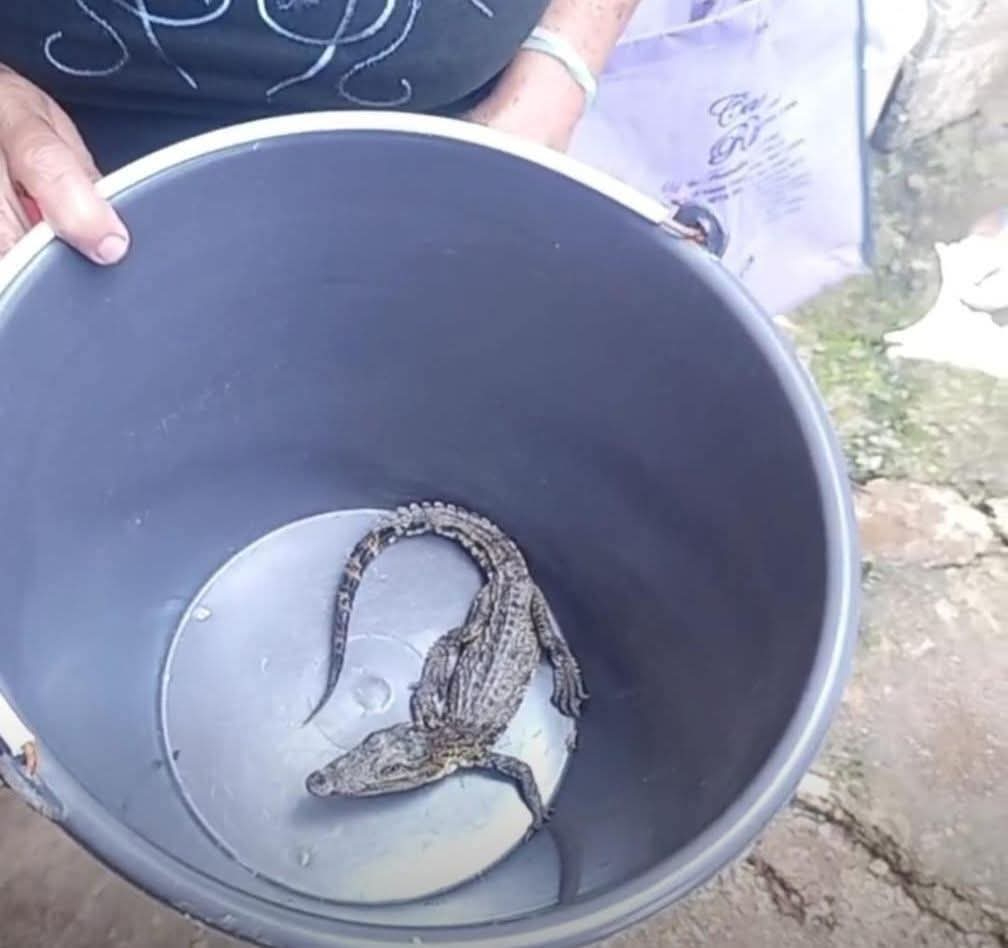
<point x="757" y="112"/>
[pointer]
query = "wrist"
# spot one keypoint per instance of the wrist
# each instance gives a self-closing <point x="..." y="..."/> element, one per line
<point x="539" y="82"/>
<point x="557" y="47"/>
<point x="536" y="98"/>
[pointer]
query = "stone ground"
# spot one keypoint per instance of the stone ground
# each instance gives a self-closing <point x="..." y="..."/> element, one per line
<point x="900" y="835"/>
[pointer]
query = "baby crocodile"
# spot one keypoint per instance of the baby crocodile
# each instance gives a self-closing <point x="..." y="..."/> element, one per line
<point x="473" y="678"/>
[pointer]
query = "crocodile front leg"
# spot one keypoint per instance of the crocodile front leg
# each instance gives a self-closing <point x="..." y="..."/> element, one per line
<point x="520" y="772"/>
<point x="568" y="686"/>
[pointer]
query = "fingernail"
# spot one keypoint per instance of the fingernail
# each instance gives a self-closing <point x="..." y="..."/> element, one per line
<point x="112" y="249"/>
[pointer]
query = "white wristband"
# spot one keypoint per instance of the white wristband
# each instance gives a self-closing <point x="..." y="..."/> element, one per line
<point x="552" y="44"/>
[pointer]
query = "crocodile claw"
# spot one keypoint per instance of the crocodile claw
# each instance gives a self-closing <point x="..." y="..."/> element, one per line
<point x="569" y="692"/>
<point x="539" y="820"/>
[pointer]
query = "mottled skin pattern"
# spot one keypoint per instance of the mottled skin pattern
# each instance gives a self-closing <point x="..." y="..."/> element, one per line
<point x="474" y="677"/>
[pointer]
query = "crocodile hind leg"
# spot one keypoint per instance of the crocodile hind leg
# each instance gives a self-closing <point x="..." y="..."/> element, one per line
<point x="568" y="686"/>
<point x="428" y="700"/>
<point x="520" y="772"/>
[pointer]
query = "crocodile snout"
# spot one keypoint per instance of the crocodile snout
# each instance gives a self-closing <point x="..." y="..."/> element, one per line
<point x="318" y="784"/>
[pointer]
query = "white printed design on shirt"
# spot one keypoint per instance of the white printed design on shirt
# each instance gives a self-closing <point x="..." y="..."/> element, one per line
<point x="215" y="10"/>
<point x="396" y="18"/>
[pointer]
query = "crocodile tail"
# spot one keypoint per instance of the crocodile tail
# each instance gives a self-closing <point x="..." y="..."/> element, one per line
<point x="403" y="523"/>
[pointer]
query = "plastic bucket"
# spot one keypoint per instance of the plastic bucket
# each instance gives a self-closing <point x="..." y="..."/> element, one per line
<point x="334" y="313"/>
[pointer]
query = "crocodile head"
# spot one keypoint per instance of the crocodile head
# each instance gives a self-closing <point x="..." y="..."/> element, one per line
<point x="400" y="757"/>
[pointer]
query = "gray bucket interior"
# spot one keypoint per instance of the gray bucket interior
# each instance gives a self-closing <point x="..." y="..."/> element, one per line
<point x="335" y="322"/>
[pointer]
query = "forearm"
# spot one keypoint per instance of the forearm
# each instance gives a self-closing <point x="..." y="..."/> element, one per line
<point x="592" y="27"/>
<point x="536" y="97"/>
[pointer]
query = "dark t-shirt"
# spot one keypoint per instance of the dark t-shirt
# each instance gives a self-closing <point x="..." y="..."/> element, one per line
<point x="137" y="74"/>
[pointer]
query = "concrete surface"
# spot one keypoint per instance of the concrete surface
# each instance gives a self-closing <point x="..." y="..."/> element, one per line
<point x="900" y="835"/>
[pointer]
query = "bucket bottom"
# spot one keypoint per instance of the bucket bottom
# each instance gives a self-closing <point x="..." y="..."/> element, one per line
<point x="247" y="664"/>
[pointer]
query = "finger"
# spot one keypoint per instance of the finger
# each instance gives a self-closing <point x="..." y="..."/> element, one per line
<point x="64" y="127"/>
<point x="13" y="220"/>
<point x="61" y="123"/>
<point x="9" y="193"/>
<point x="31" y="209"/>
<point x="50" y="171"/>
<point x="11" y="227"/>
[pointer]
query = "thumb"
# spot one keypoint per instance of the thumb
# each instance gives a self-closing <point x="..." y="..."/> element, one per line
<point x="55" y="177"/>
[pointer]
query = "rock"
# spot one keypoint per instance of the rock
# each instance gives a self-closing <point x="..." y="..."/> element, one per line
<point x="878" y="868"/>
<point x="931" y="768"/>
<point x="916" y="182"/>
<point x="908" y="523"/>
<point x="999" y="511"/>
<point x="947" y="78"/>
<point x="812" y="785"/>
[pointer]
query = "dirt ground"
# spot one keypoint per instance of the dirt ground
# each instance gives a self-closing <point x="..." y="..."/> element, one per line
<point x="898" y="836"/>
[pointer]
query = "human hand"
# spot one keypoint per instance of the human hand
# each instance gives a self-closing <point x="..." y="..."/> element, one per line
<point x="536" y="99"/>
<point x="42" y="157"/>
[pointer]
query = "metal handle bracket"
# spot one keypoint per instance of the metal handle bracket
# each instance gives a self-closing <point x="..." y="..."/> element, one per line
<point x="13" y="731"/>
<point x="19" y="761"/>
<point x="696" y="223"/>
